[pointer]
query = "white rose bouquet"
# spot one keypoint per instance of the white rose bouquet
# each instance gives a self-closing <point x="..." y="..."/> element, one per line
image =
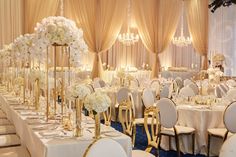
<point x="79" y="91"/>
<point x="97" y="102"/>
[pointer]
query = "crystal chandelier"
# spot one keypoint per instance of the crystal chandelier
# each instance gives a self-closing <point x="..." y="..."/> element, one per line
<point x="182" y="41"/>
<point x="128" y="38"/>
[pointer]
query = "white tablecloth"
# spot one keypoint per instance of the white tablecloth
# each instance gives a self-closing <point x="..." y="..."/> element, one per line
<point x="108" y="75"/>
<point x="200" y="118"/>
<point x="52" y="147"/>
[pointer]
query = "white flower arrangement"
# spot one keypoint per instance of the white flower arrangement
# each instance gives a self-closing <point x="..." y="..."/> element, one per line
<point x="214" y="74"/>
<point x="129" y="77"/>
<point x="97" y="102"/>
<point x="77" y="90"/>
<point x="62" y="31"/>
<point x="6" y="54"/>
<point x="22" y="45"/>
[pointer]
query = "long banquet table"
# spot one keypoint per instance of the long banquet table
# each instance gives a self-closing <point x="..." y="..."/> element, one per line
<point x="60" y="145"/>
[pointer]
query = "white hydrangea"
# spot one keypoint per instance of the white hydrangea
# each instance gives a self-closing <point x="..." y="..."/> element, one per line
<point x="97" y="102"/>
<point x="77" y="90"/>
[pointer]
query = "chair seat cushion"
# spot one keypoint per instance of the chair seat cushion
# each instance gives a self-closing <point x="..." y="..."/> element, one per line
<point x="7" y="129"/>
<point x="140" y="153"/>
<point x="9" y="140"/>
<point x="141" y="121"/>
<point x="217" y="131"/>
<point x="14" y="152"/>
<point x="180" y="130"/>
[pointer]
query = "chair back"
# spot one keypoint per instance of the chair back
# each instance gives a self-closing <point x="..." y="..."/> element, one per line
<point x="231" y="94"/>
<point x="164" y="92"/>
<point x="104" y="147"/>
<point x="230" y="117"/>
<point x="218" y="93"/>
<point x="194" y="87"/>
<point x="134" y="83"/>
<point x="122" y="94"/>
<point x="96" y="83"/>
<point x="148" y="98"/>
<point x="187" y="82"/>
<point x="186" y="92"/>
<point x="166" y="74"/>
<point x="168" y="112"/>
<point x="179" y="82"/>
<point x="152" y="127"/>
<point x="131" y="98"/>
<point x="228" y="148"/>
<point x="155" y="85"/>
<point x="102" y="83"/>
<point x="126" y="117"/>
<point x="231" y="83"/>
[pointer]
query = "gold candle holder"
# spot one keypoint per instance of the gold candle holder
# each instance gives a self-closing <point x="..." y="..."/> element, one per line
<point x="97" y="132"/>
<point x="37" y="94"/>
<point x="47" y="98"/>
<point x="78" y="120"/>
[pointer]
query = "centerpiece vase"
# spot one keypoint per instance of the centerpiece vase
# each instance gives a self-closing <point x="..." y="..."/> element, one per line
<point x="37" y="94"/>
<point x="78" y="118"/>
<point x="97" y="126"/>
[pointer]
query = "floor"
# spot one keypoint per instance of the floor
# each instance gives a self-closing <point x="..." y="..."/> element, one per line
<point x="141" y="143"/>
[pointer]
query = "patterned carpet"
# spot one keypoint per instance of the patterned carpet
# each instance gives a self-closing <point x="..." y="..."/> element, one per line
<point x="141" y="143"/>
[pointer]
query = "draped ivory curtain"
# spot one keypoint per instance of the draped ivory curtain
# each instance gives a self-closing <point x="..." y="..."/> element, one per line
<point x="36" y="10"/>
<point x="11" y="19"/>
<point x="157" y="21"/>
<point x="101" y="21"/>
<point x="197" y="17"/>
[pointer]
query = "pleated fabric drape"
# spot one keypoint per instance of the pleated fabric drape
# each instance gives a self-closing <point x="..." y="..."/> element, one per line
<point x="197" y="17"/>
<point x="36" y="10"/>
<point x="157" y="21"/>
<point x="101" y="21"/>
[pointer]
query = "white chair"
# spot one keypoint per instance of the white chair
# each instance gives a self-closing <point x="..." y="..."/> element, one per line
<point x="228" y="149"/>
<point x="122" y="95"/>
<point x="168" y="120"/>
<point x="105" y="147"/>
<point x="166" y="74"/>
<point x="102" y="83"/>
<point x="14" y="152"/>
<point x="148" y="98"/>
<point x="186" y="92"/>
<point x="230" y="127"/>
<point x="224" y="89"/>
<point x="155" y="85"/>
<point x="218" y="92"/>
<point x="194" y="88"/>
<point x="164" y="92"/>
<point x="187" y="82"/>
<point x="134" y="83"/>
<point x="179" y="82"/>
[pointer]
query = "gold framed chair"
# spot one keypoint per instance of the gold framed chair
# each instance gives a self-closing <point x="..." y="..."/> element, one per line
<point x="229" y="122"/>
<point x="151" y="119"/>
<point x="126" y="118"/>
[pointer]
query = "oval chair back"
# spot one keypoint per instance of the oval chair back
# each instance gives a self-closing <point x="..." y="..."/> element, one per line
<point x="148" y="98"/>
<point x="168" y="113"/>
<point x="230" y="117"/>
<point x="186" y="92"/>
<point x="164" y="92"/>
<point x="228" y="148"/>
<point x="122" y="94"/>
<point x="187" y="82"/>
<point x="194" y="88"/>
<point x="104" y="148"/>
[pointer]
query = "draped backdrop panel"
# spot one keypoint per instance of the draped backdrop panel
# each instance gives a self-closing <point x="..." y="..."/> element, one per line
<point x="197" y="17"/>
<point x="157" y="21"/>
<point x="36" y="10"/>
<point x="101" y="21"/>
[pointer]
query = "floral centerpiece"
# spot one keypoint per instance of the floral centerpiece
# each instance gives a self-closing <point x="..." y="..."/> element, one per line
<point x="97" y="103"/>
<point x="61" y="31"/>
<point x="18" y="83"/>
<point x="78" y="92"/>
<point x="121" y="74"/>
<point x="214" y="74"/>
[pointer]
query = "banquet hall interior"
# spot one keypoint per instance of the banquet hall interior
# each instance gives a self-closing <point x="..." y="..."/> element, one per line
<point x="117" y="78"/>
